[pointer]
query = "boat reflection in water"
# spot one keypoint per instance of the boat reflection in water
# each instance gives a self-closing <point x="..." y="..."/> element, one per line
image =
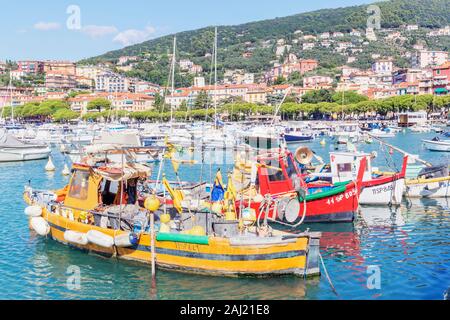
<point x="382" y="217"/>
<point x="57" y="266"/>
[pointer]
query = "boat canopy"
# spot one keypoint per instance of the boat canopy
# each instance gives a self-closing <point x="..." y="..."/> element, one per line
<point x="115" y="172"/>
<point x="9" y="141"/>
<point x="435" y="171"/>
<point x="119" y="139"/>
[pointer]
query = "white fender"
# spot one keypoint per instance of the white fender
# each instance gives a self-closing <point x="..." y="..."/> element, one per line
<point x="100" y="239"/>
<point x="76" y="238"/>
<point x="33" y="211"/>
<point x="50" y="167"/>
<point x="66" y="171"/>
<point x="41" y="226"/>
<point x="125" y="240"/>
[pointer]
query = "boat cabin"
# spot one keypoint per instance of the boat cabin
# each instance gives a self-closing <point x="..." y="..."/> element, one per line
<point x="103" y="191"/>
<point x="278" y="173"/>
<point x="345" y="166"/>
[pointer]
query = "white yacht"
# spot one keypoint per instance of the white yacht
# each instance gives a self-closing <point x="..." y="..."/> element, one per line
<point x="12" y="149"/>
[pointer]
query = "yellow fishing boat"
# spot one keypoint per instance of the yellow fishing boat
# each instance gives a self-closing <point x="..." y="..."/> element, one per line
<point x="101" y="211"/>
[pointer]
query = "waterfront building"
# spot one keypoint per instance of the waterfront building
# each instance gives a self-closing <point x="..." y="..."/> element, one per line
<point x="60" y="67"/>
<point x="441" y="79"/>
<point x="111" y="82"/>
<point x="90" y="72"/>
<point x="57" y="81"/>
<point x="132" y="102"/>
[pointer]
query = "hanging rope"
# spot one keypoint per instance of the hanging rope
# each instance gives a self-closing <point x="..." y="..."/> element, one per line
<point x="327" y="275"/>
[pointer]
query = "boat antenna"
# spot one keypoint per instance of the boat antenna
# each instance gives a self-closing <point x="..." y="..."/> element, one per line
<point x="174" y="61"/>
<point x="215" y="78"/>
<point x="11" y="97"/>
<point x="277" y="110"/>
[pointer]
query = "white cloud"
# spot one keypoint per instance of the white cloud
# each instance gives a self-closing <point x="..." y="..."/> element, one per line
<point x="133" y="36"/>
<point x="47" y="26"/>
<point x="99" y="31"/>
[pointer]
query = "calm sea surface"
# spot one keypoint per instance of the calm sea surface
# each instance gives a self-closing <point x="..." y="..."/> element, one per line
<point x="409" y="246"/>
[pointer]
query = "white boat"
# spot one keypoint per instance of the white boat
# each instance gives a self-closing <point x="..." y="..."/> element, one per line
<point x="437" y="145"/>
<point x="420" y="129"/>
<point x="13" y="150"/>
<point x="382" y="133"/>
<point x="382" y="189"/>
<point x="431" y="182"/>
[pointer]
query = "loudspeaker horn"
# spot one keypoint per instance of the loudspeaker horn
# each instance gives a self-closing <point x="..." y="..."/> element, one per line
<point x="304" y="155"/>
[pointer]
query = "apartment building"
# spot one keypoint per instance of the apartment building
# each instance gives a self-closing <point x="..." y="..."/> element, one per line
<point x="424" y="58"/>
<point x="111" y="82"/>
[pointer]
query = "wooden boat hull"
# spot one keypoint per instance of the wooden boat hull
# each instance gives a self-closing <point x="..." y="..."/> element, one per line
<point x="299" y="257"/>
<point x="323" y="208"/>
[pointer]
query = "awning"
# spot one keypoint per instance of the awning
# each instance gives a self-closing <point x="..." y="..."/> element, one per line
<point x="130" y="171"/>
<point x="441" y="90"/>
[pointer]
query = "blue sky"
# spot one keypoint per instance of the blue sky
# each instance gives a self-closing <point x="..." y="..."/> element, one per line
<point x="38" y="29"/>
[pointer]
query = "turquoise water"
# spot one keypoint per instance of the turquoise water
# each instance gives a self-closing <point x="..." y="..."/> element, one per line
<point x="410" y="248"/>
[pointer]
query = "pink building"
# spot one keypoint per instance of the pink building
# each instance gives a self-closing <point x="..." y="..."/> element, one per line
<point x="30" y="67"/>
<point x="441" y="79"/>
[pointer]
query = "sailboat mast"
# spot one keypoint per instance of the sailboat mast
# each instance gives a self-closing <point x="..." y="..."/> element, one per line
<point x="174" y="60"/>
<point x="215" y="78"/>
<point x="11" y="98"/>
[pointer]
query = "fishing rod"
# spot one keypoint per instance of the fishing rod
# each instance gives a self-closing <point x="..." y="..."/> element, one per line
<point x="415" y="157"/>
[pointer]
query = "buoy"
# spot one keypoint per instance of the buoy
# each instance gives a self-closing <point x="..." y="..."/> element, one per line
<point x="249" y="216"/>
<point x="323" y="142"/>
<point x="164" y="228"/>
<point x="126" y="240"/>
<point x="165" y="218"/>
<point x="41" y="226"/>
<point x="33" y="211"/>
<point x="66" y="170"/>
<point x="76" y="238"/>
<point x="50" y="166"/>
<point x="100" y="239"/>
<point x="152" y="203"/>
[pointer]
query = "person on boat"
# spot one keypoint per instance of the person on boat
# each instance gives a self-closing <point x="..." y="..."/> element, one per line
<point x="132" y="191"/>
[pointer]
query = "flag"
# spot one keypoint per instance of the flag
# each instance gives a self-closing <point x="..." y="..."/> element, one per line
<point x="231" y="193"/>
<point x="176" y="166"/>
<point x="176" y="195"/>
<point x="218" y="191"/>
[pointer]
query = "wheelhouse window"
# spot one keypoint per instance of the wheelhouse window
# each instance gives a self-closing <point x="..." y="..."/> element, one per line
<point x="344" y="167"/>
<point x="290" y="168"/>
<point x="274" y="172"/>
<point x="80" y="185"/>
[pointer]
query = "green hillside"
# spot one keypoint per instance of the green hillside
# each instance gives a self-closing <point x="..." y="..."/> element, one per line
<point x="235" y="40"/>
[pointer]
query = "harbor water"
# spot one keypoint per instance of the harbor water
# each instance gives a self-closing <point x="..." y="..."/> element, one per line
<point x="388" y="253"/>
